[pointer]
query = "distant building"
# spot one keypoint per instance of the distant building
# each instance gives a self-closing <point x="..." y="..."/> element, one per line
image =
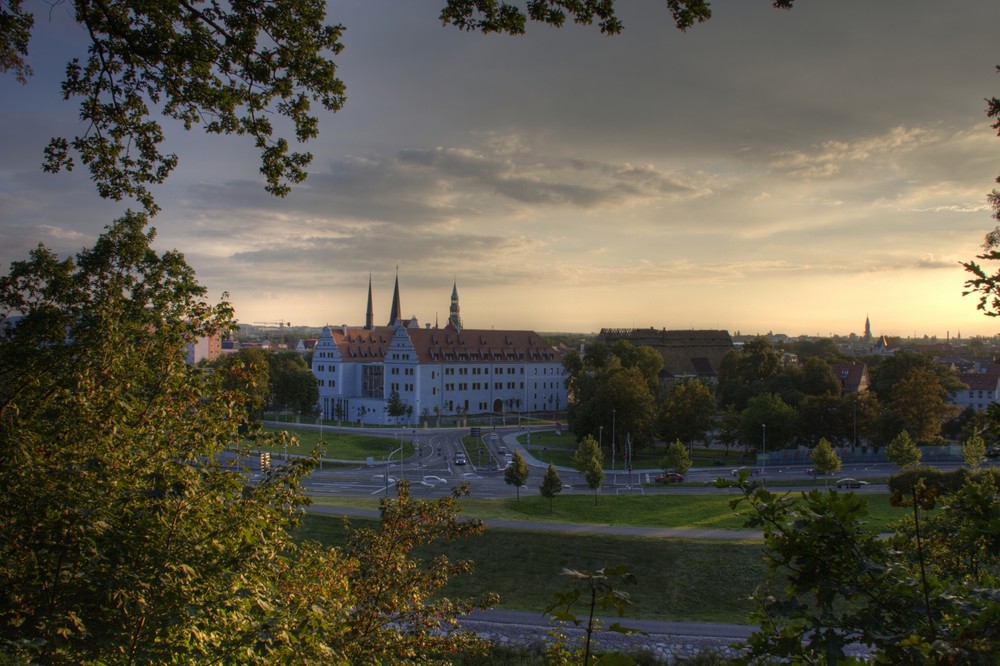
<point x="206" y="348"/>
<point x="853" y="377"/>
<point x="693" y="353"/>
<point x="436" y="372"/>
<point x="983" y="390"/>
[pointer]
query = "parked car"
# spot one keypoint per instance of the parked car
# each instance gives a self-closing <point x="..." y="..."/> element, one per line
<point x="669" y="477"/>
<point x="460" y="459"/>
<point x="851" y="483"/>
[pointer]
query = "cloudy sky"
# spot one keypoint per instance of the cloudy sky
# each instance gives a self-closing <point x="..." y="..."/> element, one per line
<point x="766" y="171"/>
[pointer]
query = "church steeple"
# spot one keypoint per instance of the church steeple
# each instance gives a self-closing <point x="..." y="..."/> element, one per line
<point x="370" y="314"/>
<point x="454" y="318"/>
<point x="396" y="311"/>
<point x="868" y="329"/>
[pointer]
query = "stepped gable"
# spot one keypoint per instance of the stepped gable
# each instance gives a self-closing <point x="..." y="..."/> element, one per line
<point x="436" y="345"/>
<point x="685" y="353"/>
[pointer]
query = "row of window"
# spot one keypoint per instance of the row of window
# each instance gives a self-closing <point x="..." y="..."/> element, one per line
<point x="323" y="368"/>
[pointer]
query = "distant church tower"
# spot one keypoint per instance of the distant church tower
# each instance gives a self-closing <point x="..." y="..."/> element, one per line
<point x="454" y="318"/>
<point x="396" y="312"/>
<point x="868" y="329"/>
<point x="370" y="315"/>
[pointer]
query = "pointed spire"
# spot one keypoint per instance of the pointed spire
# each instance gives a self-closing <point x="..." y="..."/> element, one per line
<point x="396" y="311"/>
<point x="455" y="318"/>
<point x="370" y="314"/>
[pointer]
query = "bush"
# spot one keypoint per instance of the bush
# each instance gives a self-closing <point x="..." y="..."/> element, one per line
<point x="944" y="482"/>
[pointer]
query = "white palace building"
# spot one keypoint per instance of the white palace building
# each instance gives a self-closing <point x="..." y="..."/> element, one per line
<point x="437" y="372"/>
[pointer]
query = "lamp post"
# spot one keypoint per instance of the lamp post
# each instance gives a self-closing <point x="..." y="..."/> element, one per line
<point x="321" y="452"/>
<point x="613" y="440"/>
<point x="763" y="459"/>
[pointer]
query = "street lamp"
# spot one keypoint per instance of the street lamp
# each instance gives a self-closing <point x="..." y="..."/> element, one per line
<point x="613" y="440"/>
<point x="763" y="459"/>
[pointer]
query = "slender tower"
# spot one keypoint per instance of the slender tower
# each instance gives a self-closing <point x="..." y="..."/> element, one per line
<point x="370" y="314"/>
<point x="396" y="312"/>
<point x="454" y="318"/>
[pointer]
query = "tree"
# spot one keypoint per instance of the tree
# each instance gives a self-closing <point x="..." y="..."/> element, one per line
<point x="834" y="581"/>
<point x="626" y="395"/>
<point x="747" y="372"/>
<point x="902" y="452"/>
<point x="588" y="461"/>
<point x="767" y="422"/>
<point x="551" y="484"/>
<point x="248" y="372"/>
<point x="395" y="407"/>
<point x="293" y="385"/>
<point x="974" y="451"/>
<point x="824" y="459"/>
<point x="398" y="610"/>
<point x="676" y="458"/>
<point x="230" y="68"/>
<point x="687" y="412"/>
<point x="124" y="538"/>
<point x="919" y="404"/>
<point x="516" y="473"/>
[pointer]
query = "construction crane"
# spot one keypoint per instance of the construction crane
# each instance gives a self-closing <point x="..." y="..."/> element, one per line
<point x="280" y="325"/>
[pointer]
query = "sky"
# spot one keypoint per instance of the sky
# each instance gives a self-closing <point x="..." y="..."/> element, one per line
<point x="768" y="171"/>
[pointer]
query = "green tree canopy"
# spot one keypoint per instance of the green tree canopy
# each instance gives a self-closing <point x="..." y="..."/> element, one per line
<point x="293" y="385"/>
<point x="768" y="416"/>
<point x="551" y="484"/>
<point x="687" y="412"/>
<point x="231" y="68"/>
<point x="676" y="458"/>
<point x="747" y="371"/>
<point x="516" y="473"/>
<point x="124" y="538"/>
<point x="587" y="459"/>
<point x="825" y="460"/>
<point x="902" y="451"/>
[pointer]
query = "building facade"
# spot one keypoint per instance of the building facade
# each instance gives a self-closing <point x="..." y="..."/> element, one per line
<point x="436" y="372"/>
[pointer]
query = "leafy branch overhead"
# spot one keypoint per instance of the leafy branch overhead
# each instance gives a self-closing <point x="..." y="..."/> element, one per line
<point x="233" y="69"/>
<point x="244" y="68"/>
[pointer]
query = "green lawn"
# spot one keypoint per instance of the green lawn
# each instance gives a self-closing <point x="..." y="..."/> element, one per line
<point x="338" y="446"/>
<point x="679" y="579"/>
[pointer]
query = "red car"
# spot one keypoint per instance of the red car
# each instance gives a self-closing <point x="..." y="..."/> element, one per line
<point x="670" y="477"/>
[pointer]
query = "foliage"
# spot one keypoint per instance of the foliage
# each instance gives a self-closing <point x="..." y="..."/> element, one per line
<point x="508" y="17"/>
<point x="825" y="460"/>
<point x="836" y="582"/>
<point x="974" y="451"/>
<point x="919" y="403"/>
<point x="746" y="372"/>
<point x="230" y="68"/>
<point x="293" y="385"/>
<point x="122" y="537"/>
<point x="398" y="613"/>
<point x="516" y="473"/>
<point x="599" y="593"/>
<point x="587" y="460"/>
<point x="395" y="407"/>
<point x="676" y="458"/>
<point x="612" y="394"/>
<point x="945" y="482"/>
<point x="687" y="412"/>
<point x="551" y="484"/>
<point x="902" y="451"/>
<point x="767" y="416"/>
<point x="247" y="372"/>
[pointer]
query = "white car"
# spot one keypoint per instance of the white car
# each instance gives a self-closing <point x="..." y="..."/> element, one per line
<point x="434" y="480"/>
<point x="381" y="478"/>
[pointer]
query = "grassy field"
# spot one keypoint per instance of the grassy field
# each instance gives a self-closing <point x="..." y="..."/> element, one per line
<point x="679" y="579"/>
<point x="524" y="569"/>
<point x="338" y="446"/>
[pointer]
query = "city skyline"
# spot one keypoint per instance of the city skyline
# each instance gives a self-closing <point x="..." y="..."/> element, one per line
<point x="766" y="171"/>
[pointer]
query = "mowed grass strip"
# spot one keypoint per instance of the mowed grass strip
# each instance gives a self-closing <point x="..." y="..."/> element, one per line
<point x="678" y="579"/>
<point x="700" y="511"/>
